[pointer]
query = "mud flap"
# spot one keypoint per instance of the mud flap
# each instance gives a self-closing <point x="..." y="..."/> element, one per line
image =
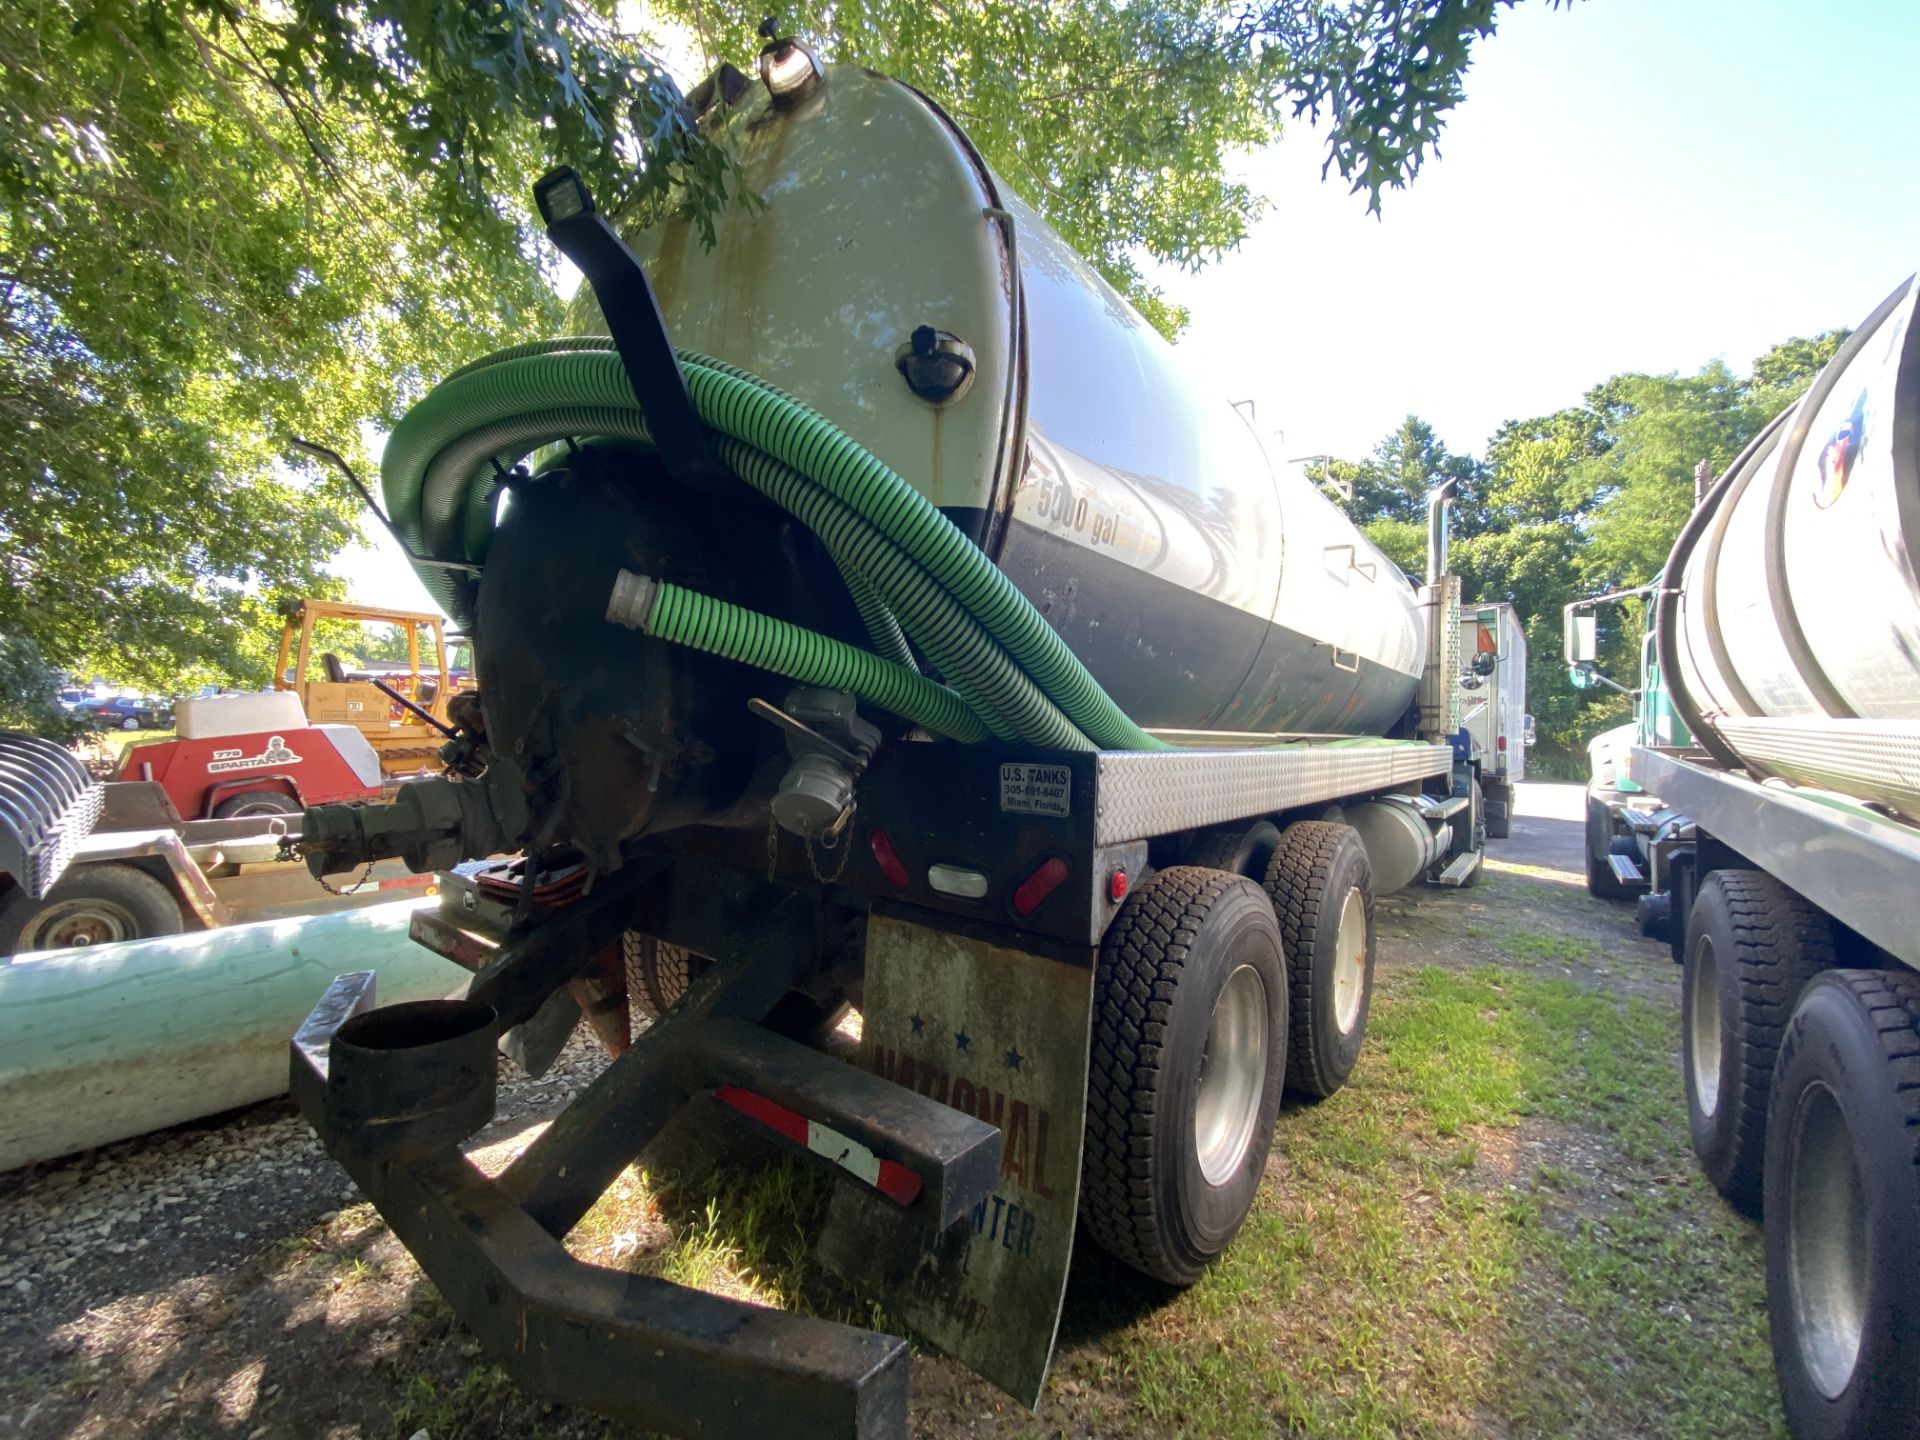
<point x="1001" y="1034"/>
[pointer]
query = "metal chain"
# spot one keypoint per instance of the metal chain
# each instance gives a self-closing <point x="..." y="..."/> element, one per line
<point x="830" y="841"/>
<point x="354" y="888"/>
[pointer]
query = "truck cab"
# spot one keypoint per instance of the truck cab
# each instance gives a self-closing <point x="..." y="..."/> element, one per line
<point x="1621" y="816"/>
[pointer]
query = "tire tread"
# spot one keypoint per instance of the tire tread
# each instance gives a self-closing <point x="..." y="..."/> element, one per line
<point x="1781" y="941"/>
<point x="1297" y="885"/>
<point x="1141" y="961"/>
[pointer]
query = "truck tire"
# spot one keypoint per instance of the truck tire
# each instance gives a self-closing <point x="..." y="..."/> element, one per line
<point x="91" y="905"/>
<point x="1189" y="1054"/>
<point x="659" y="974"/>
<point x="1237" y="849"/>
<point x="1843" y="1208"/>
<point x="257" y="802"/>
<point x="1602" y="883"/>
<point x="1321" y="885"/>
<point x="1752" y="946"/>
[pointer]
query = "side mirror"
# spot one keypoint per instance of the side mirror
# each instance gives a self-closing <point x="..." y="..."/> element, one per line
<point x="1485" y="662"/>
<point x="1527" y="737"/>
<point x="1583" y="638"/>
<point x="1580" y="677"/>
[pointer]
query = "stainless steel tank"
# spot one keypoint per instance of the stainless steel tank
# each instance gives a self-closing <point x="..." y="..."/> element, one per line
<point x="1800" y="598"/>
<point x="1792" y="630"/>
<point x="1139" y="515"/>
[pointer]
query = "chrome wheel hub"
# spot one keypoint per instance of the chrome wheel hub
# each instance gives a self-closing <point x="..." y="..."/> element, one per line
<point x="1703" y="1033"/>
<point x="1233" y="1072"/>
<point x="1350" y="961"/>
<point x="1826" y="1241"/>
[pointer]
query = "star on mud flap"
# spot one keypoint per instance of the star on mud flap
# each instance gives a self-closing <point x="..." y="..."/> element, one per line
<point x="918" y="1024"/>
<point x="1014" y="1057"/>
<point x="961" y="1040"/>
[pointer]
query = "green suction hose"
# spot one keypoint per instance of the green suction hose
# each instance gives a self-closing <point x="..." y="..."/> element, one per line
<point x="702" y="622"/>
<point x="1009" y="672"/>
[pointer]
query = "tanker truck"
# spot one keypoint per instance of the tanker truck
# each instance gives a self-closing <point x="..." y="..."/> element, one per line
<point x="1766" y="800"/>
<point x="869" y="611"/>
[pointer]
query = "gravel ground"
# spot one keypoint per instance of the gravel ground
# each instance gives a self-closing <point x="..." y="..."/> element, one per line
<point x="102" y="1236"/>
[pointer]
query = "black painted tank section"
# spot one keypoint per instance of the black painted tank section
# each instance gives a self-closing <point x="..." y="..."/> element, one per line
<point x="1173" y="658"/>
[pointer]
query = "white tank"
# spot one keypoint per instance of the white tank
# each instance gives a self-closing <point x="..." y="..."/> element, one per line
<point x="1800" y="599"/>
<point x="1138" y="513"/>
<point x="207" y="717"/>
<point x="1791" y="640"/>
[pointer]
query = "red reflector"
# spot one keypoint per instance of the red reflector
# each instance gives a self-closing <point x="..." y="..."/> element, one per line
<point x="888" y="859"/>
<point x="1501" y="743"/>
<point x="1117" y="886"/>
<point x="1040" y="884"/>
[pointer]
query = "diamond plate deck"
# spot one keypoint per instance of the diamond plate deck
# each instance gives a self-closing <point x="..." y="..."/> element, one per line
<point x="1142" y="794"/>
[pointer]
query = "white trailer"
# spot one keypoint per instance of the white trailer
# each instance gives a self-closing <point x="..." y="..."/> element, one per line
<point x="1493" y="706"/>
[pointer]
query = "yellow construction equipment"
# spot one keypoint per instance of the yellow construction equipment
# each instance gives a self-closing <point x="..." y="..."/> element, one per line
<point x="405" y="742"/>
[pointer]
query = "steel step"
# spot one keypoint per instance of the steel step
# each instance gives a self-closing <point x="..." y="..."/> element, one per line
<point x="1459" y="868"/>
<point x="1625" y="871"/>
<point x="1446" y="809"/>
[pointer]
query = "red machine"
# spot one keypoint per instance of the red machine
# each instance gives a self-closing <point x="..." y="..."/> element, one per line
<point x="254" y="755"/>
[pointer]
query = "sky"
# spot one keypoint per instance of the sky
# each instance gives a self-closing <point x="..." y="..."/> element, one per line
<point x="1630" y="185"/>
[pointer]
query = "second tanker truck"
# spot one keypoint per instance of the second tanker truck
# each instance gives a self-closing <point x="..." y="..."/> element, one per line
<point x="1766" y="803"/>
<point x="868" y="610"/>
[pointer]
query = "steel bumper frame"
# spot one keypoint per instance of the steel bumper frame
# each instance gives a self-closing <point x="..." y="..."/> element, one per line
<point x="393" y="1094"/>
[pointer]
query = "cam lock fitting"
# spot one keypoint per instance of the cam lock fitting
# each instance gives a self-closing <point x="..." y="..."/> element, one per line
<point x="830" y="745"/>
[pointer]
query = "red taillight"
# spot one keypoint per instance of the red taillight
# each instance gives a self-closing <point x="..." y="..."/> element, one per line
<point x="888" y="859"/>
<point x="1501" y="743"/>
<point x="1117" y="886"/>
<point x="1038" y="886"/>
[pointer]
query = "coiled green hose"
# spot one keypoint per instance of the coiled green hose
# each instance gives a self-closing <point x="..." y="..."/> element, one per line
<point x="1010" y="674"/>
<point x="703" y="622"/>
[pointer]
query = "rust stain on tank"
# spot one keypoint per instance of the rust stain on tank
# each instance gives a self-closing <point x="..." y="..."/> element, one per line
<point x="743" y="258"/>
<point x="672" y="257"/>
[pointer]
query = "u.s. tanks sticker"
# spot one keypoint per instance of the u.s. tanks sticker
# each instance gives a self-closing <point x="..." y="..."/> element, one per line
<point x="1036" y="790"/>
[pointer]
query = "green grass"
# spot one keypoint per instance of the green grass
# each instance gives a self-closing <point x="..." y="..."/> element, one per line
<point x="1496" y="1228"/>
<point x="1411" y="1269"/>
<point x="1535" y="947"/>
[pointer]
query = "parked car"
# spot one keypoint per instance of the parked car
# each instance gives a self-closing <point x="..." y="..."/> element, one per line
<point x="127" y="712"/>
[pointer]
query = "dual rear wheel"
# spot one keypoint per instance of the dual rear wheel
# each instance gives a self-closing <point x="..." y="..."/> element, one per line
<point x="1214" y="994"/>
<point x="1803" y="1099"/>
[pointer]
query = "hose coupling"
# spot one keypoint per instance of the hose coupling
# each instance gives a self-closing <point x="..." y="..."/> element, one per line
<point x="632" y="601"/>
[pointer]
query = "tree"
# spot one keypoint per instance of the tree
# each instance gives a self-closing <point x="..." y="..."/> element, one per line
<point x="185" y="282"/>
<point x="224" y="223"/>
<point x="1576" y="503"/>
<point x="1386" y="494"/>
